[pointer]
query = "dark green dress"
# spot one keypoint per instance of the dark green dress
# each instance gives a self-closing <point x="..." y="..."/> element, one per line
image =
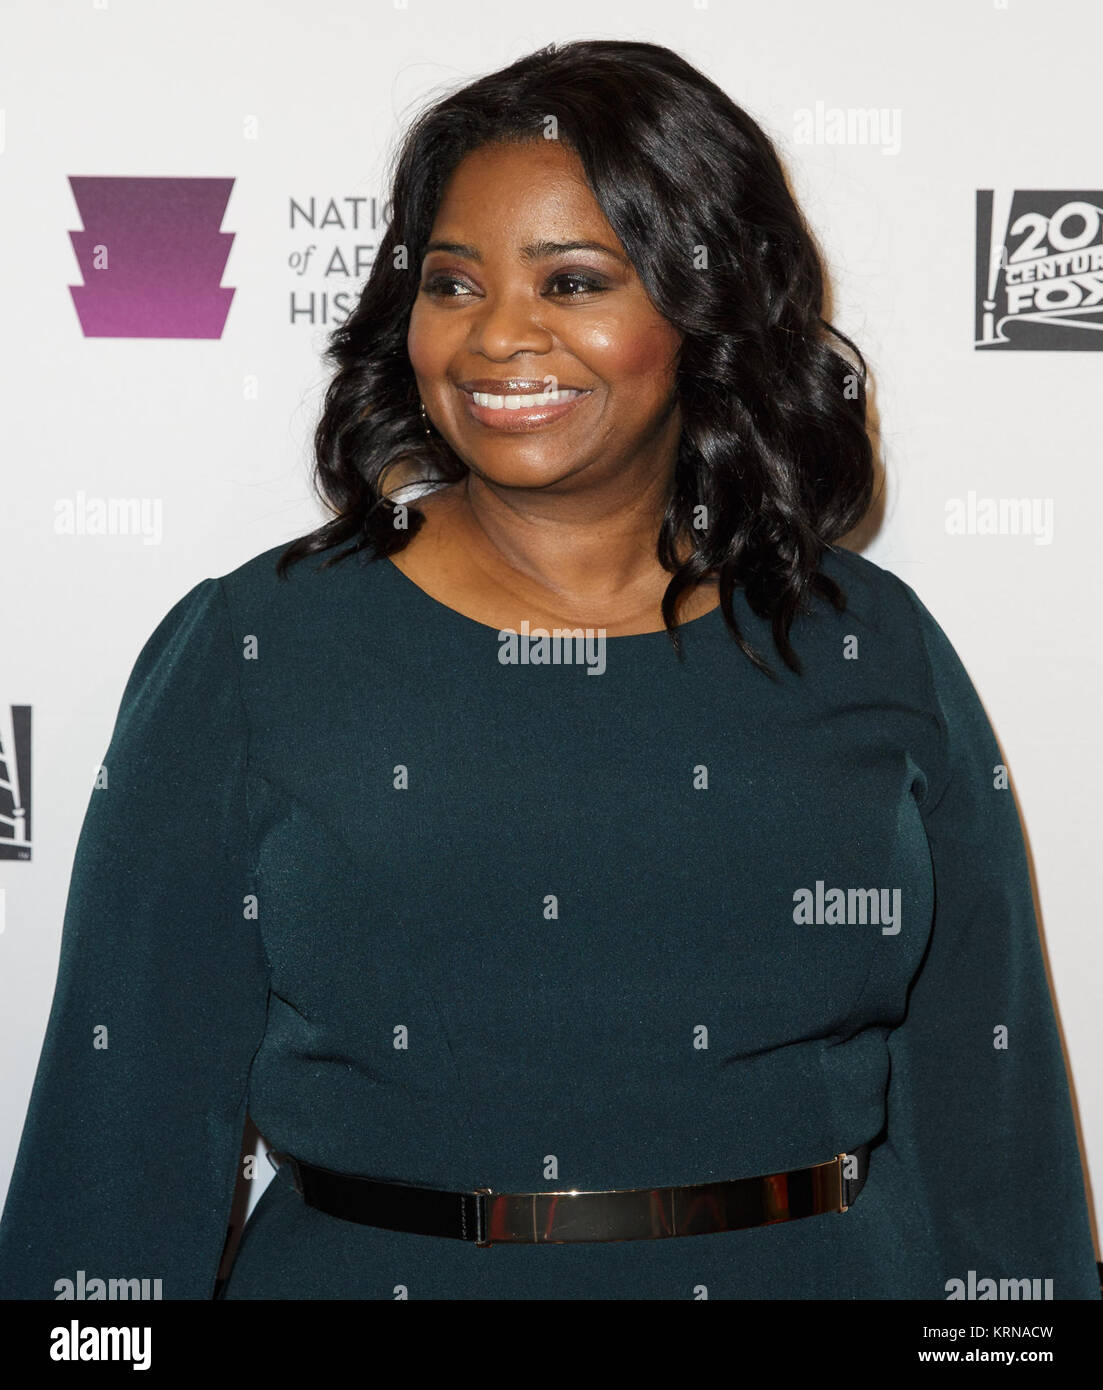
<point x="438" y="918"/>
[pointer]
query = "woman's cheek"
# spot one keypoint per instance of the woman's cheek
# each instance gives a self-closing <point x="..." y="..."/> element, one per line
<point x="644" y="347"/>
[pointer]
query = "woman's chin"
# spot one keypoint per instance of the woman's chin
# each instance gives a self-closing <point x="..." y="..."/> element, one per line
<point x="521" y="473"/>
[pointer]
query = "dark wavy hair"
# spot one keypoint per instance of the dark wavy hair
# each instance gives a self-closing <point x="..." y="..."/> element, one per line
<point x="774" y="441"/>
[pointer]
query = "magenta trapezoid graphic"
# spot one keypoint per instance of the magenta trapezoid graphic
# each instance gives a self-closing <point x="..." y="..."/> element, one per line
<point x="152" y="257"/>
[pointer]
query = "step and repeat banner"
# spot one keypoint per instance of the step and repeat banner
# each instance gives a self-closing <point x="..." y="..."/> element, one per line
<point x="156" y="425"/>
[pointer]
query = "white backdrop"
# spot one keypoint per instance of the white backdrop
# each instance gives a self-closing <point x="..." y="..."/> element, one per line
<point x="209" y="437"/>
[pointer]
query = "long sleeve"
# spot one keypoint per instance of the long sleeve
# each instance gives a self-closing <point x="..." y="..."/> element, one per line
<point x="979" y="1102"/>
<point x="127" y="1163"/>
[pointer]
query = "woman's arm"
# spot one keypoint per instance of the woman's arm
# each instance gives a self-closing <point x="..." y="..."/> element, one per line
<point x="979" y="1105"/>
<point x="127" y="1163"/>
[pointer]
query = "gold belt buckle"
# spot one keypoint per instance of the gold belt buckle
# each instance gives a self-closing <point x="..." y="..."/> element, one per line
<point x="658" y="1211"/>
<point x="481" y="1214"/>
<point x="840" y="1160"/>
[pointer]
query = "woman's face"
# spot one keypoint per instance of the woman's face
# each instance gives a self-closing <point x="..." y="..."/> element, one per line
<point x="500" y="305"/>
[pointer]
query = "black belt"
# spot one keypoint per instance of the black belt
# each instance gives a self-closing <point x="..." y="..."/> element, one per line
<point x="486" y="1217"/>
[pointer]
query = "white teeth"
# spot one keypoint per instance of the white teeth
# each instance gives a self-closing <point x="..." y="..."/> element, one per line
<point x="522" y="402"/>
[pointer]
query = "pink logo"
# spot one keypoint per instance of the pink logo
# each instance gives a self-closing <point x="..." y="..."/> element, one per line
<point x="152" y="257"/>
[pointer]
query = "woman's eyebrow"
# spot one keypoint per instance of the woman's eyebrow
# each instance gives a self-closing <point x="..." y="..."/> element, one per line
<point x="535" y="251"/>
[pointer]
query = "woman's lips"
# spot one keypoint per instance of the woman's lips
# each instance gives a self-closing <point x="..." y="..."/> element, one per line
<point x="510" y="415"/>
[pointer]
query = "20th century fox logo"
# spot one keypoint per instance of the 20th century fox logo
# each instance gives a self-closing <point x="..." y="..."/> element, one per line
<point x="1039" y="271"/>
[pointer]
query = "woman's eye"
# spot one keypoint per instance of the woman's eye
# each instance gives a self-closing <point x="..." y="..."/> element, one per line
<point x="437" y="285"/>
<point x="588" y="285"/>
<point x="578" y="284"/>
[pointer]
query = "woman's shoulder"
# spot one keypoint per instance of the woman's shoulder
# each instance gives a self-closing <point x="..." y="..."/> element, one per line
<point x="310" y="587"/>
<point x="906" y="635"/>
<point x="875" y="596"/>
<point x="911" y="640"/>
<point x="314" y="601"/>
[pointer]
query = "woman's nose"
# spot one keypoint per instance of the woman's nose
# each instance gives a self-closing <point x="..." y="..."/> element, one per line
<point x="507" y="322"/>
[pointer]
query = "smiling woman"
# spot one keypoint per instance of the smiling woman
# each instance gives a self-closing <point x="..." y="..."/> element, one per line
<point x="526" y="289"/>
<point x="517" y="971"/>
<point x="597" y="219"/>
<point x="569" y="304"/>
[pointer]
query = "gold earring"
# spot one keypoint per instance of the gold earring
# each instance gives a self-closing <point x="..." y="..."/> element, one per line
<point x="425" y="422"/>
